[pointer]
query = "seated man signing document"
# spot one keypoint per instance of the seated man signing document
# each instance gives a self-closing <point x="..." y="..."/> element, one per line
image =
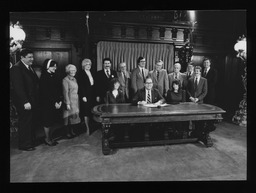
<point x="148" y="94"/>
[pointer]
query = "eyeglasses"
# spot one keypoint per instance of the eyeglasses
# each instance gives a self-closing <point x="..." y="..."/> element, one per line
<point x="149" y="83"/>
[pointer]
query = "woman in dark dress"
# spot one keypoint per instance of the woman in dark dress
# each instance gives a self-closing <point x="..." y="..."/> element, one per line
<point x="175" y="94"/>
<point x="50" y="98"/>
<point x="114" y="95"/>
<point x="86" y="92"/>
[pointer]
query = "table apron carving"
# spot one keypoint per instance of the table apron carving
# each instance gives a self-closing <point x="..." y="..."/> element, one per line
<point x="188" y="122"/>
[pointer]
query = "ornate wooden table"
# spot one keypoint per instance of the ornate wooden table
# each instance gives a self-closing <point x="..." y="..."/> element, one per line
<point x="115" y="116"/>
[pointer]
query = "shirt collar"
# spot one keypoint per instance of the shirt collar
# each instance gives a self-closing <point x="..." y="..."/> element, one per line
<point x="141" y="68"/>
<point x="27" y="66"/>
<point x="198" y="78"/>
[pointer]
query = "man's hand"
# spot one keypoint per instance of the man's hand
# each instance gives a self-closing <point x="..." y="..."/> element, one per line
<point x="58" y="105"/>
<point x="98" y="99"/>
<point x="27" y="106"/>
<point x="68" y="107"/>
<point x="84" y="99"/>
<point x="142" y="102"/>
<point x="158" y="103"/>
<point x="192" y="99"/>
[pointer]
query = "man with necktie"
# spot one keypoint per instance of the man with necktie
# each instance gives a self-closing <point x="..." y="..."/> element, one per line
<point x="25" y="84"/>
<point x="197" y="87"/>
<point x="177" y="75"/>
<point x="160" y="78"/>
<point x="138" y="75"/>
<point x="148" y="94"/>
<point x="212" y="76"/>
<point x="103" y="78"/>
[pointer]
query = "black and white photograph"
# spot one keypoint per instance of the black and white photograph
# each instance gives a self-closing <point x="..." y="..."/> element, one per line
<point x="128" y="96"/>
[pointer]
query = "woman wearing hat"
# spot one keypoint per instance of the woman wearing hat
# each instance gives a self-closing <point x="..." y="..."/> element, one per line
<point x="51" y="98"/>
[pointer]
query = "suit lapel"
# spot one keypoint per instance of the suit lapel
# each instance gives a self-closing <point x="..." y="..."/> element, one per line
<point x="152" y="96"/>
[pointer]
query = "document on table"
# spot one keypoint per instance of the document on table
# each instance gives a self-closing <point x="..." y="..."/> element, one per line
<point x="155" y="105"/>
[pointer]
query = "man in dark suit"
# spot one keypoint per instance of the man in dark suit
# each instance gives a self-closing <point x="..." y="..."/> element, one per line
<point x="138" y="75"/>
<point x="160" y="78"/>
<point x="103" y="78"/>
<point x="197" y="87"/>
<point x="148" y="94"/>
<point x="211" y="75"/>
<point x="177" y="75"/>
<point x="197" y="90"/>
<point x="25" y="84"/>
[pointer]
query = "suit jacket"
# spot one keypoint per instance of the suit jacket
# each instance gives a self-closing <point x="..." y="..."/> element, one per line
<point x="137" y="81"/>
<point x="187" y="78"/>
<point x="85" y="89"/>
<point x="140" y="96"/>
<point x="181" y="77"/>
<point x="201" y="90"/>
<point x="212" y="78"/>
<point x="25" y="86"/>
<point x="125" y="84"/>
<point x="102" y="83"/>
<point x="161" y="83"/>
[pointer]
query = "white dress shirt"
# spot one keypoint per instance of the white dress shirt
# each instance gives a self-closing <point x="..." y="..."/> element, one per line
<point x="88" y="72"/>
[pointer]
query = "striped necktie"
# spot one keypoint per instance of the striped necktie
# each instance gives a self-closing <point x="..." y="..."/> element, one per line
<point x="148" y="98"/>
<point x="108" y="73"/>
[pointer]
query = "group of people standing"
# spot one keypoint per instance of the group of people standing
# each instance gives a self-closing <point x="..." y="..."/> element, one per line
<point x="73" y="96"/>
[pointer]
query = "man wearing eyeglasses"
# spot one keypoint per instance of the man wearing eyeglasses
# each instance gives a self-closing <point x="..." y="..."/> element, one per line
<point x="148" y="94"/>
<point x="138" y="75"/>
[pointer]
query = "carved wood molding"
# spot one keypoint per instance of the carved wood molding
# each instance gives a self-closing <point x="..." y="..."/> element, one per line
<point x="116" y="31"/>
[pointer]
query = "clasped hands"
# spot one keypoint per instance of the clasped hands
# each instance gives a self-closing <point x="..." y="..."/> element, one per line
<point x="195" y="100"/>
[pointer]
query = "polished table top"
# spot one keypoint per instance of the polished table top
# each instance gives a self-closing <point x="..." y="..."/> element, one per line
<point x="128" y="110"/>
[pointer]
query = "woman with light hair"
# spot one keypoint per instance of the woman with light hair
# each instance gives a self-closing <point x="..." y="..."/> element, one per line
<point x="86" y="92"/>
<point x="71" y="101"/>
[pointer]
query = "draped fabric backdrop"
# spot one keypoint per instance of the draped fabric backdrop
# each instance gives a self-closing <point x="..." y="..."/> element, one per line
<point x="129" y="52"/>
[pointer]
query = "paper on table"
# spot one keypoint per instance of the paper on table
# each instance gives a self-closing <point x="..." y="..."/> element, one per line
<point x="155" y="105"/>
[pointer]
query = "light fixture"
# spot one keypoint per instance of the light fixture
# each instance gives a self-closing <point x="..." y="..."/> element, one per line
<point x="241" y="48"/>
<point x="240" y="116"/>
<point x="17" y="37"/>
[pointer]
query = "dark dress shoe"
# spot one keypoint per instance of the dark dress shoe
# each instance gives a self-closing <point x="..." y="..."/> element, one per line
<point x="69" y="136"/>
<point x="49" y="143"/>
<point x="55" y="142"/>
<point x="27" y="149"/>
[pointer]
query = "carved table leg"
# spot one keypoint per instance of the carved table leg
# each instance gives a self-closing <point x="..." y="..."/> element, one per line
<point x="146" y="134"/>
<point x="126" y="134"/>
<point x="207" y="140"/>
<point x="207" y="127"/>
<point x="105" y="139"/>
<point x="166" y="133"/>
